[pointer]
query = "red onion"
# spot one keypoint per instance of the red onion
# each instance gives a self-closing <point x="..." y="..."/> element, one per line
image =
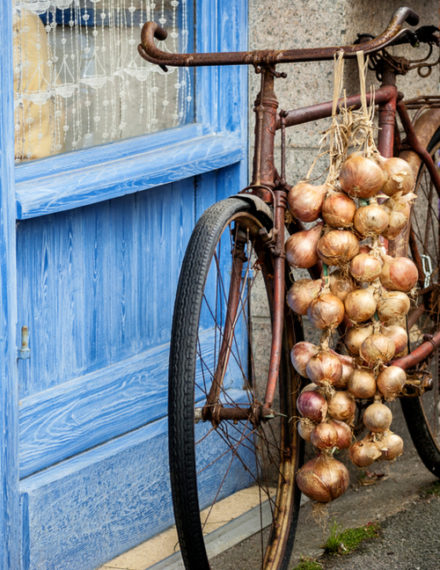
<point x="324" y="436"/>
<point x="312" y="405"/>
<point x="326" y="311"/>
<point x="323" y="478"/>
<point x="302" y="293"/>
<point x="361" y="177"/>
<point x="300" y="355"/>
<point x="399" y="273"/>
<point x="391" y="381"/>
<point x="324" y="368"/>
<point x="305" y="201"/>
<point x="301" y="247"/>
<point x="377" y="417"/>
<point x="342" y="406"/>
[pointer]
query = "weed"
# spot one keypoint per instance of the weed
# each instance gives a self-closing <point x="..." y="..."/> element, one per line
<point x="308" y="564"/>
<point x="432" y="490"/>
<point x="345" y="541"/>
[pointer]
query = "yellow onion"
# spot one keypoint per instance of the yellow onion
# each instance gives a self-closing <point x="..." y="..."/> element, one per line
<point x="326" y="311"/>
<point x="341" y="406"/>
<point x="364" y="452"/>
<point x="401" y="204"/>
<point x="302" y="293"/>
<point x="399" y="336"/>
<point x="338" y="210"/>
<point x="371" y="220"/>
<point x="337" y="247"/>
<point x="391" y="446"/>
<point x="391" y="381"/>
<point x="355" y="336"/>
<point x="340" y="284"/>
<point x="323" y="478"/>
<point x="399" y="176"/>
<point x="347" y="371"/>
<point x="305" y="428"/>
<point x="300" y="355"/>
<point x="344" y="432"/>
<point x="398" y="273"/>
<point x="361" y="177"/>
<point x="324" y="368"/>
<point x="396" y="224"/>
<point x="301" y="247"/>
<point x="377" y="417"/>
<point x="392" y="306"/>
<point x="362" y="384"/>
<point x="365" y="267"/>
<point x="312" y="405"/>
<point x="360" y="305"/>
<point x="324" y="436"/>
<point x="377" y="349"/>
<point x="305" y="201"/>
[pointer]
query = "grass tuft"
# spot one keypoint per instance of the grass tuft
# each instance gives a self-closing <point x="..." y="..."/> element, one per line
<point x="345" y="541"/>
<point x="432" y="490"/>
<point x="308" y="564"/>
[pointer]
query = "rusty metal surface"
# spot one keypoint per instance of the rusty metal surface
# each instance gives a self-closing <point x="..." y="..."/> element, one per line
<point x="418" y="354"/>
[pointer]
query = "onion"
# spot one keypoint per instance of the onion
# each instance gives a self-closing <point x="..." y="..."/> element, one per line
<point x="302" y="293"/>
<point x="340" y="284"/>
<point x="399" y="176"/>
<point x="312" y="405"/>
<point x="365" y="267"/>
<point x="323" y="478"/>
<point x="338" y="210"/>
<point x="325" y="367"/>
<point x="347" y="371"/>
<point x="391" y="446"/>
<point x="345" y="435"/>
<point x="360" y="305"/>
<point x="393" y="305"/>
<point x="337" y="247"/>
<point x="355" y="337"/>
<point x="371" y="220"/>
<point x="401" y="204"/>
<point x="399" y="273"/>
<point x="391" y="381"/>
<point x="326" y="311"/>
<point x="396" y="224"/>
<point x="362" y="384"/>
<point x="301" y="247"/>
<point x="361" y="177"/>
<point x="324" y="436"/>
<point x="300" y="355"/>
<point x="341" y="406"/>
<point x="305" y="428"/>
<point x="305" y="201"/>
<point x="399" y="336"/>
<point x="364" y="452"/>
<point x="377" y="417"/>
<point x="377" y="349"/>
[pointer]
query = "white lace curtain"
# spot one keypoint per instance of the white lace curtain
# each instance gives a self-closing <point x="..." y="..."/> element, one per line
<point x="78" y="78"/>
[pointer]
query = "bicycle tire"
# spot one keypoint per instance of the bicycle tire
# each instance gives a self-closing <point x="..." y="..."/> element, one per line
<point x="422" y="414"/>
<point x="240" y="446"/>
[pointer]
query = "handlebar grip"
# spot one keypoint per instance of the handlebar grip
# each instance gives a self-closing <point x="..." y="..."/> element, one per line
<point x="412" y="18"/>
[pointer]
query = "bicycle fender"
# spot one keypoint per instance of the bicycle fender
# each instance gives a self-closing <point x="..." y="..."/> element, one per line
<point x="257" y="202"/>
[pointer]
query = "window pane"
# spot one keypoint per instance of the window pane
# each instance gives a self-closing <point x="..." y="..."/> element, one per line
<point x="78" y="78"/>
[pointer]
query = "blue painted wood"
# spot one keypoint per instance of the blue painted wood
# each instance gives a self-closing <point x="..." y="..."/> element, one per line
<point x="74" y="188"/>
<point x="9" y="499"/>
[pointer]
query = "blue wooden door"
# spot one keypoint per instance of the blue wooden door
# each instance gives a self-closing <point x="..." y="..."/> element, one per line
<point x="91" y="246"/>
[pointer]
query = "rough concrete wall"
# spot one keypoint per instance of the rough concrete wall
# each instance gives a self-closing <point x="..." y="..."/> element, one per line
<point x="302" y="23"/>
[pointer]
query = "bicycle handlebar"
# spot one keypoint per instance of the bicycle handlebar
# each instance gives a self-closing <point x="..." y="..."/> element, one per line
<point x="148" y="50"/>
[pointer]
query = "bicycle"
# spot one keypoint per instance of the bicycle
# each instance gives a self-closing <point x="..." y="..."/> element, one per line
<point x="230" y="416"/>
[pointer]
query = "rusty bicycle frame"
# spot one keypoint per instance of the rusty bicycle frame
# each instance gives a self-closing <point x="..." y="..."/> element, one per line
<point x="272" y="188"/>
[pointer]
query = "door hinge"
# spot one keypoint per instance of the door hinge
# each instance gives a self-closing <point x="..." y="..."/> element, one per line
<point x="24" y="351"/>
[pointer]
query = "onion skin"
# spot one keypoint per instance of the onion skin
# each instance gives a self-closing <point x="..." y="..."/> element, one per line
<point x="392" y="306"/>
<point x="345" y="435"/>
<point x="302" y="293"/>
<point x="399" y="273"/>
<point x="323" y="479"/>
<point x="341" y="285"/>
<point x="324" y="436"/>
<point x="337" y="247"/>
<point x="399" y="336"/>
<point x="305" y="428"/>
<point x="355" y="337"/>
<point x="360" y="305"/>
<point x="371" y="220"/>
<point x="396" y="224"/>
<point x="364" y="452"/>
<point x="324" y="368"/>
<point x="312" y="405"/>
<point x="377" y="349"/>
<point x="377" y="418"/>
<point x="361" y="177"/>
<point x="399" y="176"/>
<point x="391" y="446"/>
<point x="301" y="247"/>
<point x="326" y="311"/>
<point x="390" y="382"/>
<point x="365" y="268"/>
<point x="362" y="384"/>
<point x="338" y="210"/>
<point x="300" y="355"/>
<point x="305" y="201"/>
<point x="341" y="406"/>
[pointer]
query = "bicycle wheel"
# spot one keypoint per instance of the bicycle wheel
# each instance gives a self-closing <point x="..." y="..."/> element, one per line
<point x="243" y="464"/>
<point x="422" y="414"/>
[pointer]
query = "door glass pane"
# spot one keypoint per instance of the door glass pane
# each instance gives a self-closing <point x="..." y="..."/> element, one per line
<point x="78" y="78"/>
